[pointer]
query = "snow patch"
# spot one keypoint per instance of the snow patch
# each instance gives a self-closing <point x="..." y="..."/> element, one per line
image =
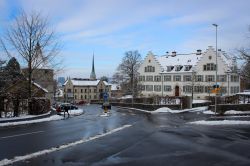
<point x="76" y="112"/>
<point x="64" y="146"/>
<point x="221" y="122"/>
<point x="51" y="118"/>
<point x="168" y="110"/>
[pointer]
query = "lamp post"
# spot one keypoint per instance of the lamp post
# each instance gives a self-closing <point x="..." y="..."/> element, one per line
<point x="216" y="71"/>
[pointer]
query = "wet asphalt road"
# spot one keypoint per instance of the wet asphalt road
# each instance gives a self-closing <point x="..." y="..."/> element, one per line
<point x="158" y="139"/>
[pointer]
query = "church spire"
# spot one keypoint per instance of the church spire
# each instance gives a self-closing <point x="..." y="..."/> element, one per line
<point x="92" y="75"/>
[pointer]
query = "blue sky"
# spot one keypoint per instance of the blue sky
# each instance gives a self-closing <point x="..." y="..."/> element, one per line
<point x="110" y="27"/>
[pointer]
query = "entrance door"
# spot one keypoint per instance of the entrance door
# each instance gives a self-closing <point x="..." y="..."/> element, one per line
<point x="177" y="93"/>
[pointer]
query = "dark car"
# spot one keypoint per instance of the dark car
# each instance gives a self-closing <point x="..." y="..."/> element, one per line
<point x="65" y="106"/>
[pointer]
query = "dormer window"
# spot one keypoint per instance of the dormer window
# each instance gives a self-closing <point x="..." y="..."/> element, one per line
<point x="188" y="67"/>
<point x="149" y="61"/>
<point x="178" y="67"/>
<point x="170" y="68"/>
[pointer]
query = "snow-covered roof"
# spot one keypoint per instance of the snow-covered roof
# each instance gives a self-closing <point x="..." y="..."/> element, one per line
<point x="106" y="83"/>
<point x="40" y="87"/>
<point x="115" y="87"/>
<point x="178" y="60"/>
<point x="85" y="82"/>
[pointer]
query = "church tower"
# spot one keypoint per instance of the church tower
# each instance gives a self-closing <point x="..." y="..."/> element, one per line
<point x="92" y="75"/>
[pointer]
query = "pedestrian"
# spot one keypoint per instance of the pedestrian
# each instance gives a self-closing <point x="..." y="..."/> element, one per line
<point x="66" y="109"/>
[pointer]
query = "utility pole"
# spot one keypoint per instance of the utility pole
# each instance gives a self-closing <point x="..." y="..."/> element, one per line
<point x="216" y="72"/>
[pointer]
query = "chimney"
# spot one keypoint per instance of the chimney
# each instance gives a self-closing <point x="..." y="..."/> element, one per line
<point x="198" y="52"/>
<point x="173" y="54"/>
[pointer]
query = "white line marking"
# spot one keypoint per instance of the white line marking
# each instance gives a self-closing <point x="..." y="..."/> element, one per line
<point x="46" y="151"/>
<point x="18" y="135"/>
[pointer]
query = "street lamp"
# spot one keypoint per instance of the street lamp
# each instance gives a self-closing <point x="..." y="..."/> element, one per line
<point x="216" y="71"/>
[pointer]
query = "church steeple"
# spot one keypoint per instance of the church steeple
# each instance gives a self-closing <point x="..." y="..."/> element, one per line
<point x="92" y="75"/>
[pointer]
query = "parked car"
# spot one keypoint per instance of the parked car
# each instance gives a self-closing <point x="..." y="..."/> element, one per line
<point x="65" y="106"/>
<point x="81" y="102"/>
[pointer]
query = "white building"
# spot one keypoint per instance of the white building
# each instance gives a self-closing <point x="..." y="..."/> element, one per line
<point x="182" y="74"/>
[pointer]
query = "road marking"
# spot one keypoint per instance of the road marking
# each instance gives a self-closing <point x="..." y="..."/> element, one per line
<point x="64" y="146"/>
<point x="18" y="135"/>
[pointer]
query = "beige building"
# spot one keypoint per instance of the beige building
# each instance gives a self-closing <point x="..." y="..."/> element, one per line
<point x="77" y="90"/>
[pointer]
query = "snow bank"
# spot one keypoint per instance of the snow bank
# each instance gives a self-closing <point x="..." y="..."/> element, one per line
<point x="76" y="112"/>
<point x="24" y="116"/>
<point x="54" y="117"/>
<point x="168" y="110"/>
<point x="230" y="112"/>
<point x="221" y="122"/>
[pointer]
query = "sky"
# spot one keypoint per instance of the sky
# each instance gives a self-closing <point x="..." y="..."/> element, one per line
<point x="109" y="28"/>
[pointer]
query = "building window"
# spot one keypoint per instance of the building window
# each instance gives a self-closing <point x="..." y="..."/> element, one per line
<point x="149" y="78"/>
<point x="94" y="96"/>
<point x="210" y="57"/>
<point x="75" y="97"/>
<point x="95" y="90"/>
<point x="149" y="69"/>
<point x="187" y="78"/>
<point x="199" y="78"/>
<point x="167" y="88"/>
<point x="141" y="87"/>
<point x="85" y="96"/>
<point x="234" y="78"/>
<point x="141" y="78"/>
<point x="68" y="90"/>
<point x="167" y="78"/>
<point x="222" y="78"/>
<point x="170" y="68"/>
<point x="81" y="97"/>
<point x="177" y="78"/>
<point x="188" y="67"/>
<point x="81" y="90"/>
<point x="157" y="88"/>
<point x="209" y="67"/>
<point x="235" y="89"/>
<point x="198" y="89"/>
<point x="208" y="89"/>
<point x="75" y="90"/>
<point x="178" y="67"/>
<point x="187" y="89"/>
<point x="157" y="78"/>
<point x="210" y="78"/>
<point x="149" y="87"/>
<point x="85" y="90"/>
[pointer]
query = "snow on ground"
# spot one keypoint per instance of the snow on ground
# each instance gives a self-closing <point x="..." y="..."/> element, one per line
<point x="76" y="112"/>
<point x="221" y="122"/>
<point x="64" y="146"/>
<point x="168" y="110"/>
<point x="24" y="116"/>
<point x="54" y="117"/>
<point x="230" y="112"/>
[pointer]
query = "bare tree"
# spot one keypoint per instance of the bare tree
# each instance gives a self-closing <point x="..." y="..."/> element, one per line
<point x="31" y="37"/>
<point x="129" y="67"/>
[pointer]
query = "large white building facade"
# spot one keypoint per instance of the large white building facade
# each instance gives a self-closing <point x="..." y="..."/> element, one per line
<point x="188" y="74"/>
